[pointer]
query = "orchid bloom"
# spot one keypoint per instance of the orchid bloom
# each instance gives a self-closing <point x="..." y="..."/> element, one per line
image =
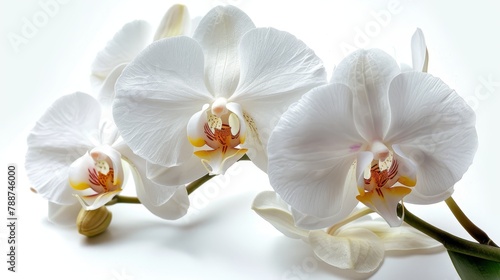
<point x="127" y="43"/>
<point x="404" y="135"/>
<point x="195" y="105"/>
<point x="74" y="151"/>
<point x="357" y="245"/>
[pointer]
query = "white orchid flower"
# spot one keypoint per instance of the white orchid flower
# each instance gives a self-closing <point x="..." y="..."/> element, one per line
<point x="196" y="105"/>
<point x="358" y="245"/>
<point x="404" y="135"/>
<point x="74" y="151"/>
<point x="127" y="43"/>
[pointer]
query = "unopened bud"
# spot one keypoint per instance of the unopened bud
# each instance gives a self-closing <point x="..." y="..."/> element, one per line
<point x="174" y="23"/>
<point x="93" y="222"/>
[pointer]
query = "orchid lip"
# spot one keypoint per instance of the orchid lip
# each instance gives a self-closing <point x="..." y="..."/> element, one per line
<point x="99" y="170"/>
<point x="220" y="129"/>
<point x="383" y="187"/>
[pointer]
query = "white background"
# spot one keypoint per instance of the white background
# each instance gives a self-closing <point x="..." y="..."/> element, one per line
<point x="224" y="239"/>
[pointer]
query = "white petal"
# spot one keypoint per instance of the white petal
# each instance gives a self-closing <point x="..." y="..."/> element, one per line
<point x="353" y="248"/>
<point x="238" y="111"/>
<point x="178" y="175"/>
<point x="93" y="202"/>
<point x="78" y="173"/>
<point x="64" y="133"/>
<point x="64" y="215"/>
<point x="419" y="51"/>
<point x="402" y="238"/>
<point x="434" y="127"/>
<point x="107" y="90"/>
<point x="166" y="202"/>
<point x="275" y="66"/>
<point x="407" y="169"/>
<point x="196" y="127"/>
<point x="125" y="45"/>
<point x="274" y="210"/>
<point x="350" y="202"/>
<point x="405" y="67"/>
<point x="276" y="70"/>
<point x="156" y="95"/>
<point x="194" y="25"/>
<point x="363" y="160"/>
<point x="173" y="208"/>
<point x="368" y="74"/>
<point x="108" y="132"/>
<point x="219" y="34"/>
<point x="311" y="151"/>
<point x="175" y="22"/>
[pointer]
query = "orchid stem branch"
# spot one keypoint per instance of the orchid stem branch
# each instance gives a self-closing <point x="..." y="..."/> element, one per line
<point x="468" y="225"/>
<point x="123" y="199"/>
<point x="244" y="157"/>
<point x="450" y="241"/>
<point x="196" y="184"/>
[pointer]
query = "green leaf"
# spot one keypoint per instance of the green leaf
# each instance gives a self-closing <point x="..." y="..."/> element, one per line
<point x="470" y="267"/>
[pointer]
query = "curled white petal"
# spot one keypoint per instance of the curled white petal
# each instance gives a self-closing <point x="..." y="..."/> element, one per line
<point x="402" y="238"/>
<point x="420" y="57"/>
<point x="354" y="248"/>
<point x="107" y="90"/>
<point x="95" y="201"/>
<point x="274" y="210"/>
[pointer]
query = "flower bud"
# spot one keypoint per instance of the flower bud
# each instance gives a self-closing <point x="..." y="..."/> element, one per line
<point x="93" y="222"/>
<point x="174" y="23"/>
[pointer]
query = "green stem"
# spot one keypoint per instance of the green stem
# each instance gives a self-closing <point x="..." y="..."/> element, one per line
<point x="123" y="199"/>
<point x="244" y="157"/>
<point x="362" y="212"/>
<point x="468" y="225"/>
<point x="134" y="200"/>
<point x="449" y="241"/>
<point x="196" y="184"/>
